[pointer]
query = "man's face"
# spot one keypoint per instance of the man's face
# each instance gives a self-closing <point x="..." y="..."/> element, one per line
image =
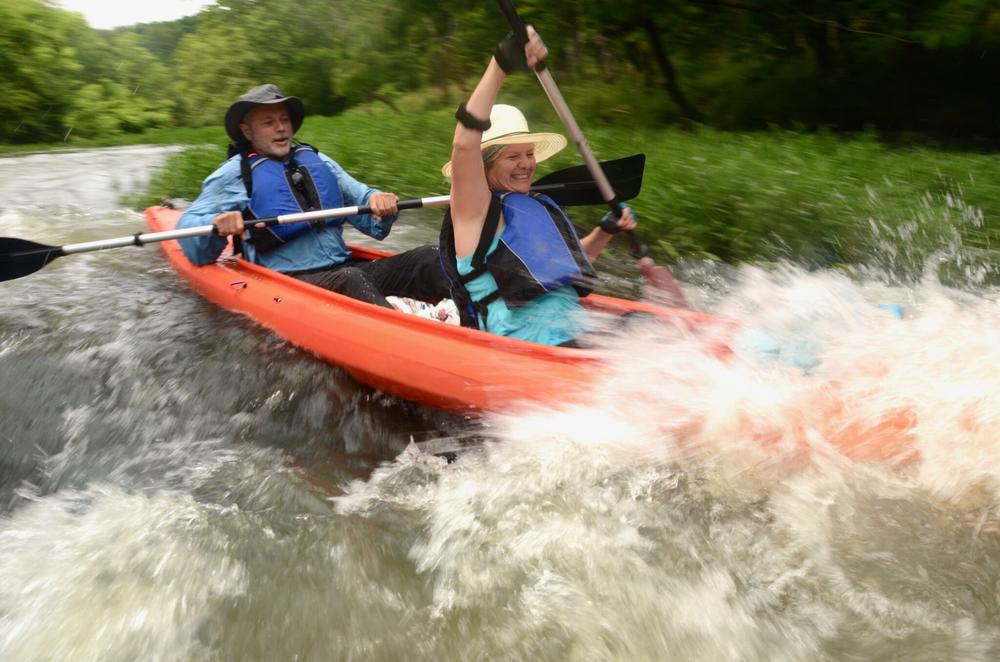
<point x="269" y="130"/>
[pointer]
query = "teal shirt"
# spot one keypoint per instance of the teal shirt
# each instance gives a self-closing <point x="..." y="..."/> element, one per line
<point x="551" y="319"/>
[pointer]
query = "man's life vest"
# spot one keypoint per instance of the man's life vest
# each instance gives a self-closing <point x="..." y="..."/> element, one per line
<point x="539" y="251"/>
<point x="304" y="183"/>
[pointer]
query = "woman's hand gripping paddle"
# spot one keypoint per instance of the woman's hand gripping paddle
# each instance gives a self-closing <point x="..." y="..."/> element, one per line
<point x="570" y="187"/>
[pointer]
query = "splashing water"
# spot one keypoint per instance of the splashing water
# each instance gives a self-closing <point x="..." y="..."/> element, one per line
<point x="741" y="508"/>
<point x="827" y="491"/>
<point x="696" y="508"/>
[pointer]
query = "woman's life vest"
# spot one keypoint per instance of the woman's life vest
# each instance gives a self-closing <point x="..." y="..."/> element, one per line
<point x="274" y="187"/>
<point x="539" y="251"/>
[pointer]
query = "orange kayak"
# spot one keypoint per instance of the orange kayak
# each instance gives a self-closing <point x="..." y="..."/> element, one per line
<point x="435" y="364"/>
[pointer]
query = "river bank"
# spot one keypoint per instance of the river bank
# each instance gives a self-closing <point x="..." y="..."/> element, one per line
<point x="816" y="199"/>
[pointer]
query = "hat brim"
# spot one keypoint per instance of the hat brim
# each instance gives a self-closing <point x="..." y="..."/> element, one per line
<point x="546" y="145"/>
<point x="237" y="111"/>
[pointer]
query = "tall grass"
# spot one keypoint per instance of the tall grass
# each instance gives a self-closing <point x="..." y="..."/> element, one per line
<point x="814" y="198"/>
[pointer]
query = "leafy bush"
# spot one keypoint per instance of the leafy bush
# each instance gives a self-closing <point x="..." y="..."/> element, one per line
<point x="817" y="198"/>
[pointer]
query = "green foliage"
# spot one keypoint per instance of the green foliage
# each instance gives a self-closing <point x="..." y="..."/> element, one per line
<point x="216" y="64"/>
<point x="393" y="70"/>
<point x="63" y="79"/>
<point x="923" y="66"/>
<point x="38" y="69"/>
<point x="108" y="108"/>
<point x="134" y="96"/>
<point x="817" y="199"/>
<point x="814" y="198"/>
<point x="181" y="177"/>
<point x="161" y="39"/>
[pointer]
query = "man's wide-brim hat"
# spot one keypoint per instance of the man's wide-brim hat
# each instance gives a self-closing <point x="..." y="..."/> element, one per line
<point x="508" y="127"/>
<point x="266" y="94"/>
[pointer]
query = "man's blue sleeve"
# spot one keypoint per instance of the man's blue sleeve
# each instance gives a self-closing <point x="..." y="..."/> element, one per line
<point x="356" y="193"/>
<point x="221" y="191"/>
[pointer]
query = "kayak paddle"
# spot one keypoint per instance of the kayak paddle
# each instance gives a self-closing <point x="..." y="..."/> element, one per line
<point x="574" y="186"/>
<point x="659" y="279"/>
<point x="569" y="187"/>
<point x="19" y="257"/>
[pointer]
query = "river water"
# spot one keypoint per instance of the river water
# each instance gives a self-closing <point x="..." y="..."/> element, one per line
<point x="177" y="483"/>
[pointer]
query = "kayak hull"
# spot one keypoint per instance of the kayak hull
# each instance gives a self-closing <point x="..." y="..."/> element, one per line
<point x="435" y="364"/>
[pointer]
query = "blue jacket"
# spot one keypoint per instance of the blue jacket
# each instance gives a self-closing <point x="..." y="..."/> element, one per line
<point x="224" y="190"/>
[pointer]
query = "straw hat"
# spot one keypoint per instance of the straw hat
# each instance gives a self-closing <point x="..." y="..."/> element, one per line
<point x="508" y="127"/>
<point x="261" y="95"/>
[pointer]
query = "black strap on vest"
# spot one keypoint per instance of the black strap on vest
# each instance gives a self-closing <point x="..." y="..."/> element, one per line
<point x="490" y="226"/>
<point x="303" y="188"/>
<point x="467" y="310"/>
<point x="470" y="311"/>
<point x="246" y="172"/>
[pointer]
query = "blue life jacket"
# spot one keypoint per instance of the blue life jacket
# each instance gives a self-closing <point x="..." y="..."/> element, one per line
<point x="539" y="251"/>
<point x="304" y="183"/>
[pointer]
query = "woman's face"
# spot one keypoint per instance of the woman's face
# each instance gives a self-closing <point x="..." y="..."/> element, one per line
<point x="513" y="169"/>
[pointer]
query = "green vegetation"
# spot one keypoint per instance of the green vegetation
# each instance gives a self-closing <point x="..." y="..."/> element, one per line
<point x="897" y="65"/>
<point x="818" y="199"/>
<point x="711" y="91"/>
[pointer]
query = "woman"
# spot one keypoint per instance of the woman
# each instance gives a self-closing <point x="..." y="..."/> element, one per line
<point x="517" y="266"/>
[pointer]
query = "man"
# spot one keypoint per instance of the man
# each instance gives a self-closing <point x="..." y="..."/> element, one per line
<point x="273" y="175"/>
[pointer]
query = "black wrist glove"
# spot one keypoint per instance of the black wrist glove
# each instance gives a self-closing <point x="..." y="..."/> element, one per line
<point x="510" y="54"/>
<point x="609" y="224"/>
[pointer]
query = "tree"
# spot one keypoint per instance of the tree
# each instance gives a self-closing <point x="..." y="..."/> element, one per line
<point x="128" y="91"/>
<point x="38" y="69"/>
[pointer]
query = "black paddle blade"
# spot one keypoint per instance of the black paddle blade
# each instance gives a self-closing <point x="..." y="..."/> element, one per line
<point x="19" y="257"/>
<point x="575" y="186"/>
